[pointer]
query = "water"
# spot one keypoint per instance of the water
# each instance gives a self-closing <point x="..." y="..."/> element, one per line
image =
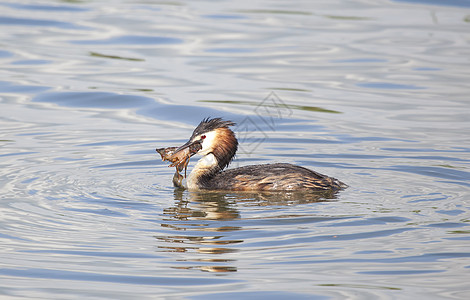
<point x="372" y="93"/>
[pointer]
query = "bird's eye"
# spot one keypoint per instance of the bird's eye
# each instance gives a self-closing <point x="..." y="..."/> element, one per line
<point x="203" y="137"/>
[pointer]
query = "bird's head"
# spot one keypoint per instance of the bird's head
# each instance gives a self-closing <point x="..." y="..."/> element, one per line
<point x="215" y="137"/>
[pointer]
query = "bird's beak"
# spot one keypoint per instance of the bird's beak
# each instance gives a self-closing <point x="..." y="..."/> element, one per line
<point x="191" y="148"/>
<point x="180" y="154"/>
<point x="179" y="157"/>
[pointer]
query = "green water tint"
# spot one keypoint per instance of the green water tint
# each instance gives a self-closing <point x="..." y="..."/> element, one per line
<point x="96" y="54"/>
<point x="360" y="286"/>
<point x="303" y="13"/>
<point x="347" y="18"/>
<point x="283" y="105"/>
<point x="291" y="89"/>
<point x="274" y="11"/>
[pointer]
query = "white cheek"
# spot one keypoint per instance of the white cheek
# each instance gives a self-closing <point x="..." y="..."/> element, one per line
<point x="208" y="143"/>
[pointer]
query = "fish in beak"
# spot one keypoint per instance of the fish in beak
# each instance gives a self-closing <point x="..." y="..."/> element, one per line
<point x="179" y="156"/>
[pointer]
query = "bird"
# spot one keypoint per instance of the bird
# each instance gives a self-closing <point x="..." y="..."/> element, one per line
<point x="217" y="143"/>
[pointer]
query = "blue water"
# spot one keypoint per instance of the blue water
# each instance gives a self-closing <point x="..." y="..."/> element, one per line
<point x="372" y="93"/>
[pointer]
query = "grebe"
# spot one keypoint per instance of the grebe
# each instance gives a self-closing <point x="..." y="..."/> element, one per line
<point x="213" y="139"/>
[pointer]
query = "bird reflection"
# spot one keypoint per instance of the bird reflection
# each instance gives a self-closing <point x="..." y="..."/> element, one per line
<point x="207" y="220"/>
<point x="205" y="206"/>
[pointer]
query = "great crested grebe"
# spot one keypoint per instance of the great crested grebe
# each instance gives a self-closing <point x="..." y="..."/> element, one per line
<point x="213" y="139"/>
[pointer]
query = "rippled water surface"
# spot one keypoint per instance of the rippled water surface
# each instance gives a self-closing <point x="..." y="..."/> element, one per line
<point x="374" y="93"/>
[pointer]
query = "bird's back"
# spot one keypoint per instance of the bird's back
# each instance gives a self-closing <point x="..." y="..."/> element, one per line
<point x="272" y="177"/>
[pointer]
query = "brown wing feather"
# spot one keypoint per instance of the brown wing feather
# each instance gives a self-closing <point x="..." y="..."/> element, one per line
<point x="272" y="177"/>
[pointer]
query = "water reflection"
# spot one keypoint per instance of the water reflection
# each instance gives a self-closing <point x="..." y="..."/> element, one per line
<point x="209" y="220"/>
<point x="207" y="206"/>
<point x="213" y="205"/>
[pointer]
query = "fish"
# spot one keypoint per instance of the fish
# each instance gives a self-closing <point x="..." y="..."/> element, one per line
<point x="179" y="159"/>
